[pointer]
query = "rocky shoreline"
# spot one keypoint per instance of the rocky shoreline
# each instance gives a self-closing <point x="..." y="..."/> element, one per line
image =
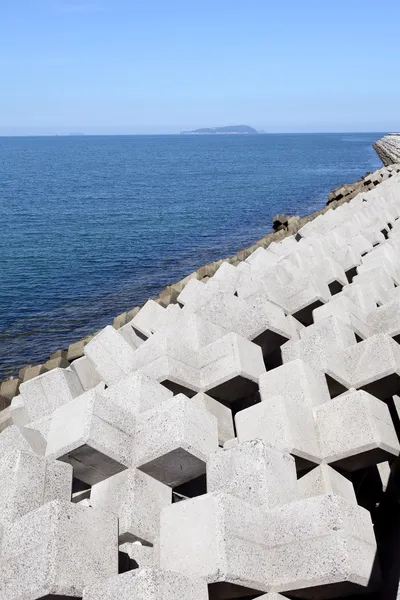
<point x="388" y="150"/>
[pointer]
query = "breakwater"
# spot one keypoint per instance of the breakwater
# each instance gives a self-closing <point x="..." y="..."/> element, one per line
<point x="240" y="442"/>
<point x="62" y="358"/>
<point x="388" y="149"/>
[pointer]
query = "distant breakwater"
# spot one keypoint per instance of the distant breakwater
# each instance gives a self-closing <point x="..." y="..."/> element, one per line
<point x="388" y="149"/>
<point x="285" y="227"/>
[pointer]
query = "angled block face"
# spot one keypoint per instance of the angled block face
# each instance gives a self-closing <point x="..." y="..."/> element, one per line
<point x="287" y="426"/>
<point x="297" y="381"/>
<point x="136" y="393"/>
<point x="43" y="394"/>
<point x="222" y="413"/>
<point x="300" y="571"/>
<point x="174" y="440"/>
<point x="217" y="537"/>
<point x="254" y="472"/>
<point x="231" y="367"/>
<point x="22" y="438"/>
<point x="57" y="550"/>
<point x="86" y="373"/>
<point x="374" y="366"/>
<point x="146" y="322"/>
<point x="355" y="431"/>
<point x="137" y="500"/>
<point x="110" y="354"/>
<point x="93" y="435"/>
<point x="148" y="584"/>
<point x="28" y="482"/>
<point x="323" y="480"/>
<point x="319" y="542"/>
<point x="174" y="375"/>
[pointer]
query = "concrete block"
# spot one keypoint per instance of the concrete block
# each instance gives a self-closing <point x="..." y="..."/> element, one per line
<point x="110" y="354"/>
<point x="93" y="435"/>
<point x="216" y="537"/>
<point x="174" y="375"/>
<point x="385" y="472"/>
<point x="86" y="373"/>
<point x="373" y="365"/>
<point x="130" y="336"/>
<point x="174" y="440"/>
<point x="120" y="320"/>
<point x="142" y="556"/>
<point x="231" y="367"/>
<point x="56" y="551"/>
<point x="32" y="372"/>
<point x="136" y="499"/>
<point x="320" y="547"/>
<point x="136" y="393"/>
<point x="386" y="319"/>
<point x="5" y="418"/>
<point x="9" y="388"/>
<point x="222" y="413"/>
<point x="146" y="322"/>
<point x="17" y="437"/>
<point x="28" y="482"/>
<point x="41" y="425"/>
<point x="75" y="350"/>
<point x="43" y="394"/>
<point x="55" y="363"/>
<point x="324" y="480"/>
<point x="355" y="431"/>
<point x="60" y="354"/>
<point x="286" y="425"/>
<point x="254" y="472"/>
<point x="148" y="584"/>
<point x="295" y="380"/>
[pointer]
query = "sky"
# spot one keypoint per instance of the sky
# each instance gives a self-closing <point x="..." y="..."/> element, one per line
<point x="160" y="66"/>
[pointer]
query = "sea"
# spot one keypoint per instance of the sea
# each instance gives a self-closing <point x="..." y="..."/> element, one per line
<point x="92" y="226"/>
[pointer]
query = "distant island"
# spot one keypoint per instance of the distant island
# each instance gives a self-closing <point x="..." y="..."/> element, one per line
<point x="230" y="129"/>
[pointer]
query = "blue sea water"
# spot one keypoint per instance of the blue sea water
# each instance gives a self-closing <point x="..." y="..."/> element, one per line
<point x="92" y="226"/>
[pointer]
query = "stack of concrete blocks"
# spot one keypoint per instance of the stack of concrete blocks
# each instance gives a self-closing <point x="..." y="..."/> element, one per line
<point x="218" y="448"/>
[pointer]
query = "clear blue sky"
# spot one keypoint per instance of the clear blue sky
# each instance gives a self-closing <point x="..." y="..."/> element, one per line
<point x="148" y="66"/>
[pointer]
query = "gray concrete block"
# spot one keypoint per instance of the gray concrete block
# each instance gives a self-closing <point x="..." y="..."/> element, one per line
<point x="148" y="584"/>
<point x="174" y="440"/>
<point x="231" y="367"/>
<point x="9" y="388"/>
<point x="56" y="551"/>
<point x="43" y="394"/>
<point x="55" y="363"/>
<point x="32" y="372"/>
<point x="28" y="482"/>
<point x="146" y="321"/>
<point x="298" y="381"/>
<point x="110" y="354"/>
<point x="86" y="373"/>
<point x="254" y="472"/>
<point x="286" y="425"/>
<point x="321" y="542"/>
<point x="75" y="350"/>
<point x="355" y="431"/>
<point x="17" y="437"/>
<point x="217" y="537"/>
<point x="93" y="435"/>
<point x="60" y="354"/>
<point x="136" y="499"/>
<point x="222" y="413"/>
<point x="136" y="393"/>
<point x="323" y="480"/>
